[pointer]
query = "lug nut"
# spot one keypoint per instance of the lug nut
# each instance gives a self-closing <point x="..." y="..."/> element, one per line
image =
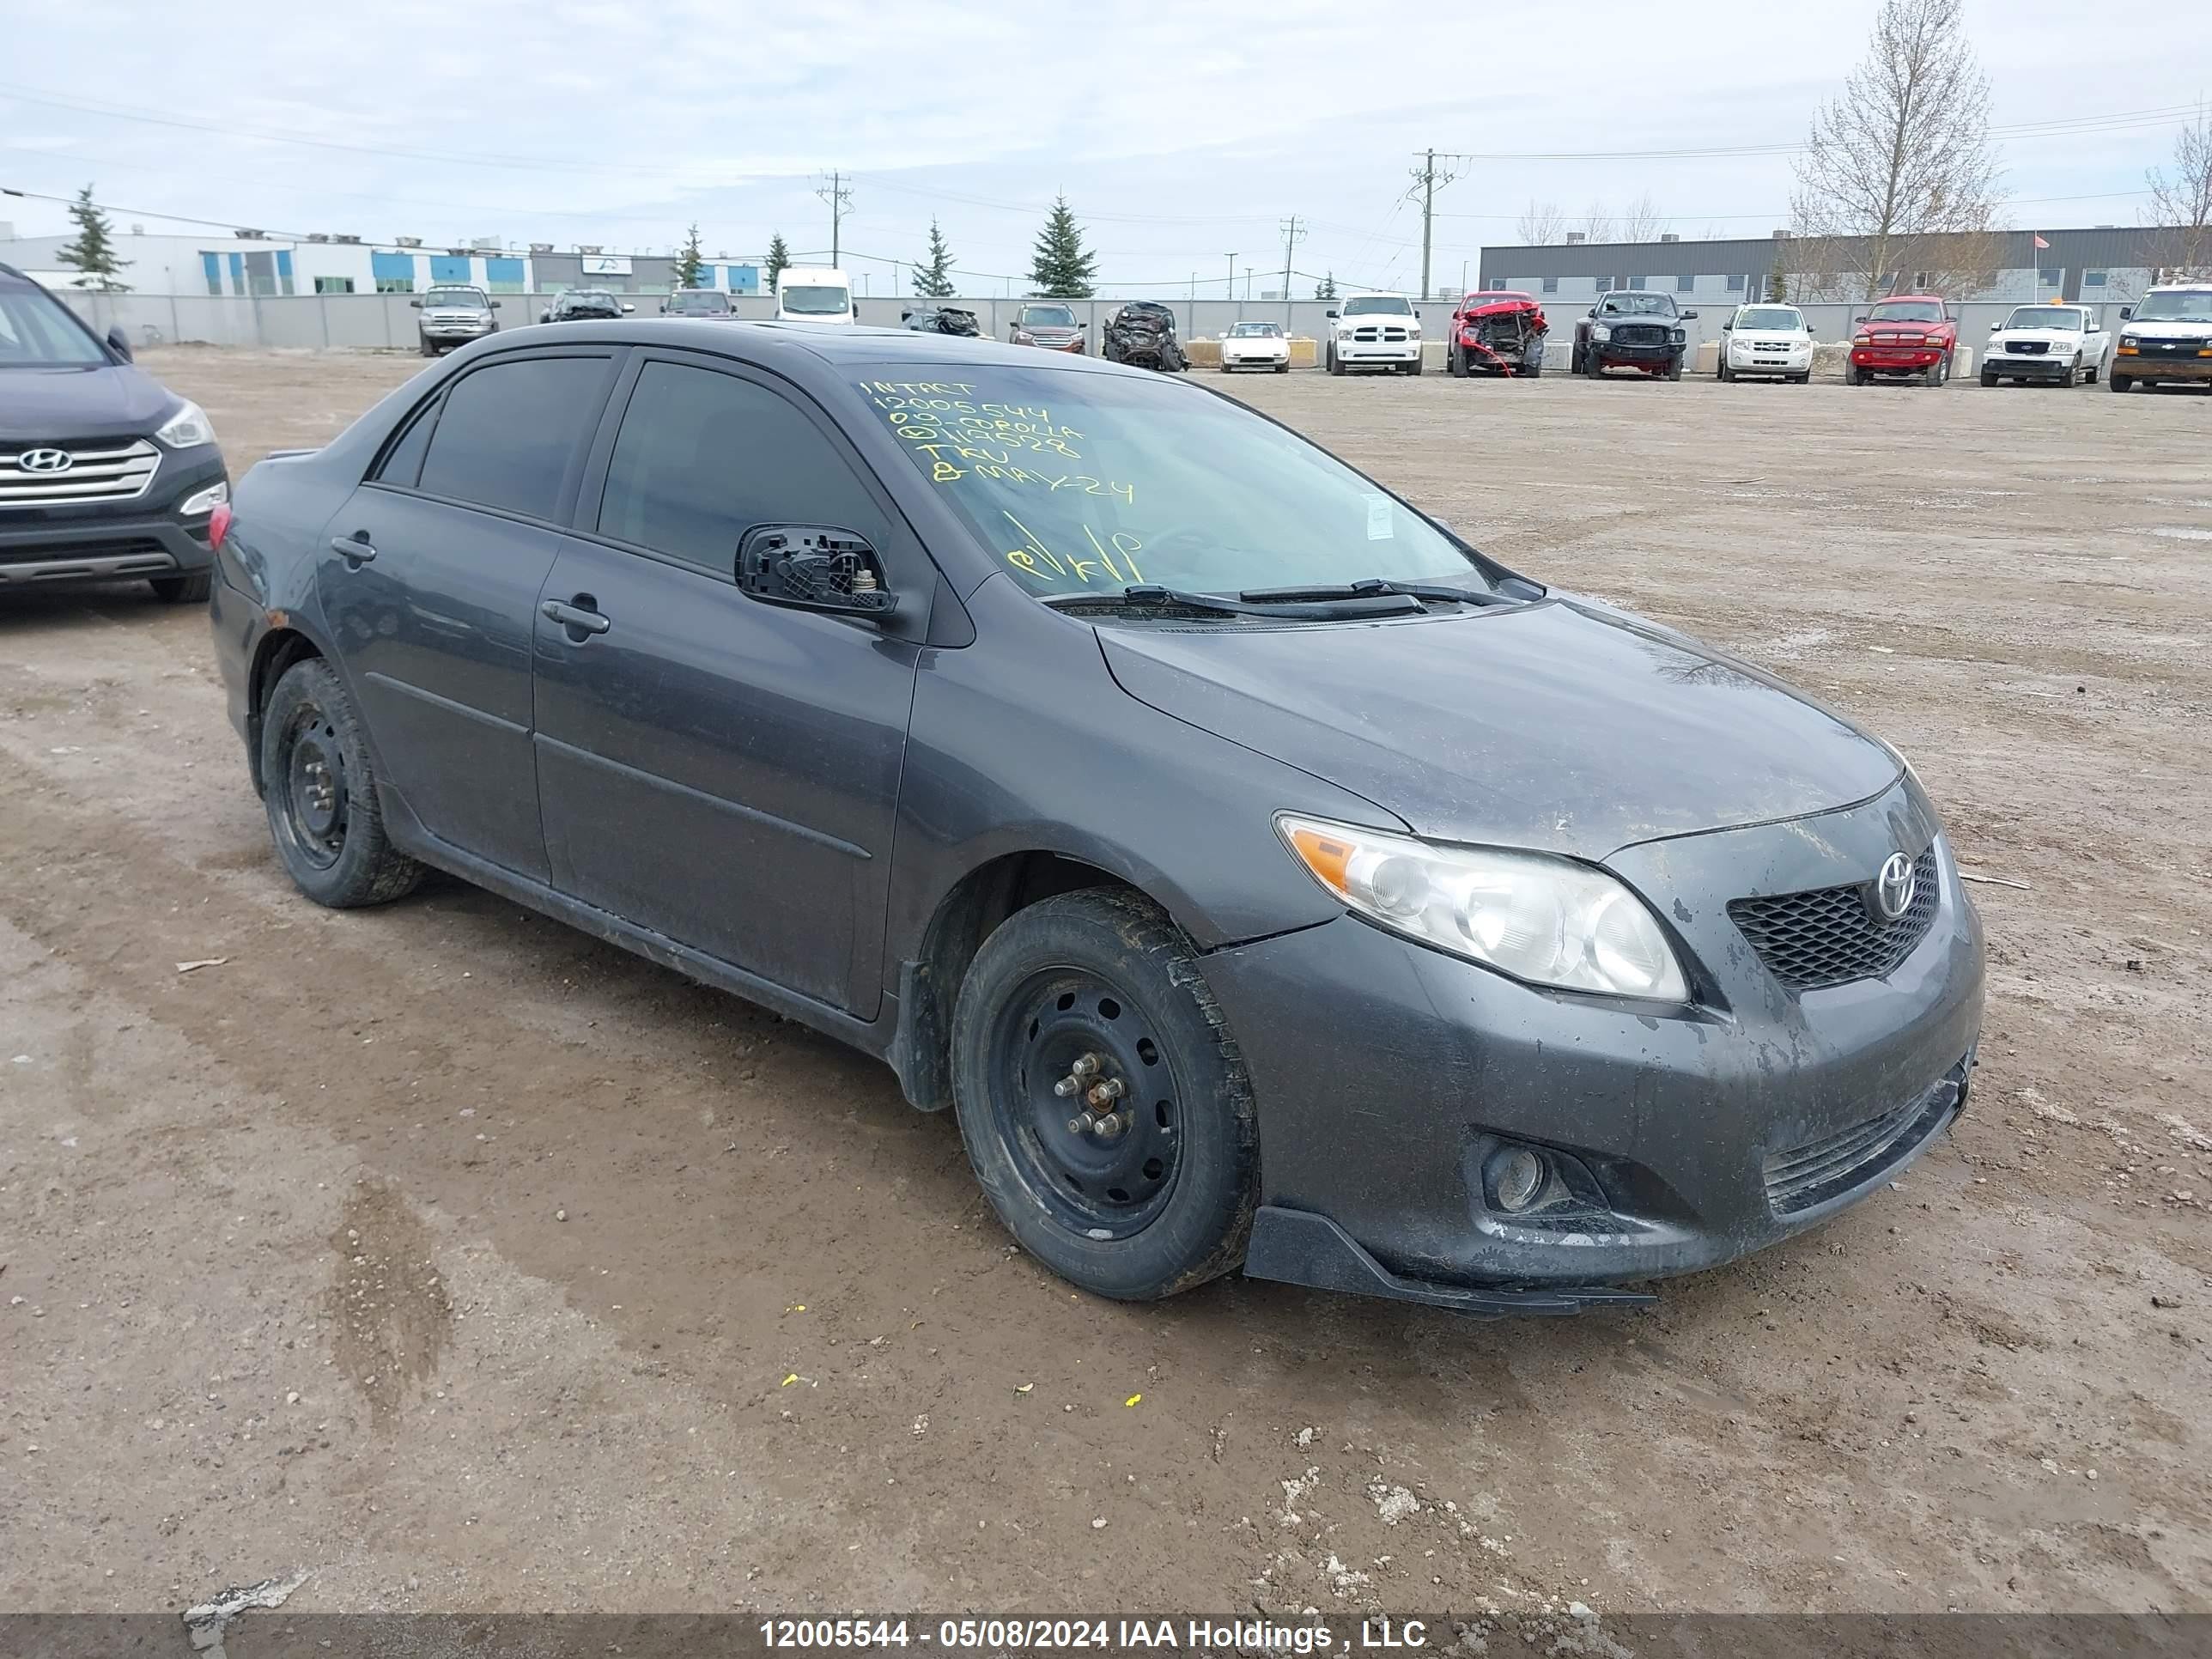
<point x="1103" y="1095"/>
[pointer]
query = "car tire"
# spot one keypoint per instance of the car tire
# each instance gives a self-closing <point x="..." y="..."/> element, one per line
<point x="1282" y="368"/>
<point x="1105" y="972"/>
<point x="318" y="788"/>
<point x="1989" y="377"/>
<point x="1593" y="366"/>
<point x="1674" y="367"/>
<point x="428" y="350"/>
<point x="190" y="588"/>
<point x="1806" y="379"/>
<point x="1532" y="368"/>
<point x="1455" y="363"/>
<point x="1720" y="367"/>
<point x="2120" y="382"/>
<point x="2091" y="376"/>
<point x="1854" y="375"/>
<point x="1335" y="363"/>
<point x="1417" y="366"/>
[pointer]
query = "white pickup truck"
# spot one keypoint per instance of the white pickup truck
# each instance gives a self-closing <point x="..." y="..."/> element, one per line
<point x="2061" y="344"/>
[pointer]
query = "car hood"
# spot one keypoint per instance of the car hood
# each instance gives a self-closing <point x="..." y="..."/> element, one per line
<point x="1048" y="331"/>
<point x="1771" y="336"/>
<point x="2055" y="335"/>
<point x="60" y="403"/>
<point x="455" y="314"/>
<point x="2197" y="329"/>
<point x="1560" y="725"/>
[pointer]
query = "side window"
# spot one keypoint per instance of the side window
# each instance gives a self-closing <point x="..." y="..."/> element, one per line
<point x="703" y="457"/>
<point x="403" y="462"/>
<point x="509" y="430"/>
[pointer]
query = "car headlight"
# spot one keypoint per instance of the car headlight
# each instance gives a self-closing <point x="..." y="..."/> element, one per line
<point x="187" y="429"/>
<point x="2130" y="339"/>
<point x="1677" y="337"/>
<point x="1600" y="331"/>
<point x="1414" y="332"/>
<point x="1536" y="917"/>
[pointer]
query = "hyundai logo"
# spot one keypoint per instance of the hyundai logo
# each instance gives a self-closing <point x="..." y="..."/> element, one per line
<point x="45" y="461"/>
<point x="1894" y="888"/>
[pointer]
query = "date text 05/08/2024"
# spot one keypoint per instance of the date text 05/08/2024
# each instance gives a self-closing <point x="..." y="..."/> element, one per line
<point x="1045" y="1635"/>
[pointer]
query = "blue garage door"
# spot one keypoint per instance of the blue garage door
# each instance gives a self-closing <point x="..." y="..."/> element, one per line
<point x="446" y="269"/>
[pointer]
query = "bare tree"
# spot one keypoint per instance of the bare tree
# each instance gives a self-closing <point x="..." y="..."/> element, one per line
<point x="1541" y="224"/>
<point x="1901" y="165"/>
<point x="1641" y="220"/>
<point x="2181" y="204"/>
<point x="1597" y="223"/>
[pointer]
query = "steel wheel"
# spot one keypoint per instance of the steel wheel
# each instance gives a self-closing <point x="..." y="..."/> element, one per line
<point x="312" y="781"/>
<point x="1085" y="1098"/>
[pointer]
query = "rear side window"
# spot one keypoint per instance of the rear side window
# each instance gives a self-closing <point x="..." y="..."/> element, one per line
<point x="403" y="462"/>
<point x="507" y="432"/>
<point x="703" y="457"/>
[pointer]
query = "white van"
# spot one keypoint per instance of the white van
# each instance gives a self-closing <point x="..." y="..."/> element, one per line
<point x="813" y="294"/>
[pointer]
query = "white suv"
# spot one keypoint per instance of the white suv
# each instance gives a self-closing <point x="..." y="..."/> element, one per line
<point x="1375" y="330"/>
<point x="2058" y="344"/>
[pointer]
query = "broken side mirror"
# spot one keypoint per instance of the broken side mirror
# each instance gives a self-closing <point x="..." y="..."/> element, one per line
<point x="812" y="567"/>
<point x="2126" y="312"/>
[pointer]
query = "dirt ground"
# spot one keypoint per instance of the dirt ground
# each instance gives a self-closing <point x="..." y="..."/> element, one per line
<point x="474" y="1265"/>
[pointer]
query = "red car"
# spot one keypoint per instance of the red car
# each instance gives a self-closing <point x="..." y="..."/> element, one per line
<point x="1497" y="333"/>
<point x="1906" y="335"/>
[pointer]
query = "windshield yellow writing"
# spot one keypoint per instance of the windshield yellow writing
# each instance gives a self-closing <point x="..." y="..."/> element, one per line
<point x="1034" y="558"/>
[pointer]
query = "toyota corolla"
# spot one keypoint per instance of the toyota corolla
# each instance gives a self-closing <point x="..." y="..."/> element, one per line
<point x="1262" y="875"/>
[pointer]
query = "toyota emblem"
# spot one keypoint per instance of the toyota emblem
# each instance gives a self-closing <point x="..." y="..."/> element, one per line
<point x="1894" y="888"/>
<point x="45" y="461"/>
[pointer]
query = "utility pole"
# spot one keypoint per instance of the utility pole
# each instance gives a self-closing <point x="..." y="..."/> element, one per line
<point x="1292" y="231"/>
<point x="838" y="194"/>
<point x="1230" y="291"/>
<point x="1248" y="284"/>
<point x="1428" y="179"/>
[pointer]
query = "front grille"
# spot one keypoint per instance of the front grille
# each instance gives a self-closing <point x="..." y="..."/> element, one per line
<point x="1374" y="335"/>
<point x="2171" y="348"/>
<point x="1818" y="1171"/>
<point x="2029" y="348"/>
<point x="1640" y="334"/>
<point x="95" y="472"/>
<point x="1830" y="937"/>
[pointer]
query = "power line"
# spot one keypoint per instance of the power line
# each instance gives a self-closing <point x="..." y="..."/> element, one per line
<point x="838" y="194"/>
<point x="1292" y="232"/>
<point x="1428" y="178"/>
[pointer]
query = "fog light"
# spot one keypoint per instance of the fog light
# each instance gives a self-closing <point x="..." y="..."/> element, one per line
<point x="1516" y="1177"/>
<point x="205" y="502"/>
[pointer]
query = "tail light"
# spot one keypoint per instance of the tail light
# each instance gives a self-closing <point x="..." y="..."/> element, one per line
<point x="218" y="523"/>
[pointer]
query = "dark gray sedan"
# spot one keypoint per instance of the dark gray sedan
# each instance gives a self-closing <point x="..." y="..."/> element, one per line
<point x="1263" y="875"/>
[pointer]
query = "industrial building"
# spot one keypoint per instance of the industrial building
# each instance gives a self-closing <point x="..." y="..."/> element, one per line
<point x="250" y="264"/>
<point x="2105" y="263"/>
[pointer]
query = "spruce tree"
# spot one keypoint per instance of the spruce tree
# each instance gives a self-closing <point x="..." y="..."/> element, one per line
<point x="1326" y="289"/>
<point x="690" y="264"/>
<point x="933" y="280"/>
<point x="1062" y="269"/>
<point x="779" y="259"/>
<point x="92" y="253"/>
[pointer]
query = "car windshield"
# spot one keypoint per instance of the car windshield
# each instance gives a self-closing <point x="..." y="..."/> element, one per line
<point x="463" y="299"/>
<point x="36" y="332"/>
<point x="1907" y="311"/>
<point x="2063" y="317"/>
<point x="1637" y="305"/>
<point x="1474" y="300"/>
<point x="699" y="305"/>
<point x="2192" y="305"/>
<point x="817" y="300"/>
<point x="1256" y="331"/>
<point x="1778" y="316"/>
<point x="1046" y="317"/>
<point x="1089" y="483"/>
<point x="1379" y="305"/>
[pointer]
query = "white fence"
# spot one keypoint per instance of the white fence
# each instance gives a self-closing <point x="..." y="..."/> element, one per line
<point x="318" y="321"/>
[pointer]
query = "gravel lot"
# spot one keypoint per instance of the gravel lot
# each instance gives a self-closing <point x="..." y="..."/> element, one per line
<point x="287" y="1280"/>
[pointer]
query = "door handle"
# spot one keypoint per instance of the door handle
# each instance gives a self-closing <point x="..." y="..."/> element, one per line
<point x="575" y="618"/>
<point x="355" y="547"/>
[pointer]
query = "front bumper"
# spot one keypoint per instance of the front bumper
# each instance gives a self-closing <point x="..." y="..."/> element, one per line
<point x="462" y="331"/>
<point x="1388" y="1074"/>
<point x="1378" y="351"/>
<point x="1075" y="345"/>
<point x="1755" y="362"/>
<point x="2049" y="366"/>
<point x="1897" y="360"/>
<point x="1610" y="355"/>
<point x="2155" y="365"/>
<point x="100" y="541"/>
<point x="1276" y="360"/>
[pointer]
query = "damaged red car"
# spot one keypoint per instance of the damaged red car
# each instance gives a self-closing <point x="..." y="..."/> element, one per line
<point x="1497" y="331"/>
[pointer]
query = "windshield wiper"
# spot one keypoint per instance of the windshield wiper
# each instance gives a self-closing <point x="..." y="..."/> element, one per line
<point x="1332" y="604"/>
<point x="1371" y="586"/>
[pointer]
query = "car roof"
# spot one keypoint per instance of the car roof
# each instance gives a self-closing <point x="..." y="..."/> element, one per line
<point x="802" y="350"/>
<point x="1891" y="299"/>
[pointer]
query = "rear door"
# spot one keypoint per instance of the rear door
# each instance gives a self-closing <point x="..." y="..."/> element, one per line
<point x="429" y="581"/>
<point x="722" y="771"/>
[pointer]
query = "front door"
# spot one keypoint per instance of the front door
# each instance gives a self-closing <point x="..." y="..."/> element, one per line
<point x="429" y="582"/>
<point x="723" y="772"/>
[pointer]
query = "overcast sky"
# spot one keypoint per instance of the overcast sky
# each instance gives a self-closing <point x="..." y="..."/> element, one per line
<point x="1179" y="142"/>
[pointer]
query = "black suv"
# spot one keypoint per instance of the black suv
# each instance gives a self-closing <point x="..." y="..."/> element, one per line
<point x="1629" y="328"/>
<point x="105" y="473"/>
